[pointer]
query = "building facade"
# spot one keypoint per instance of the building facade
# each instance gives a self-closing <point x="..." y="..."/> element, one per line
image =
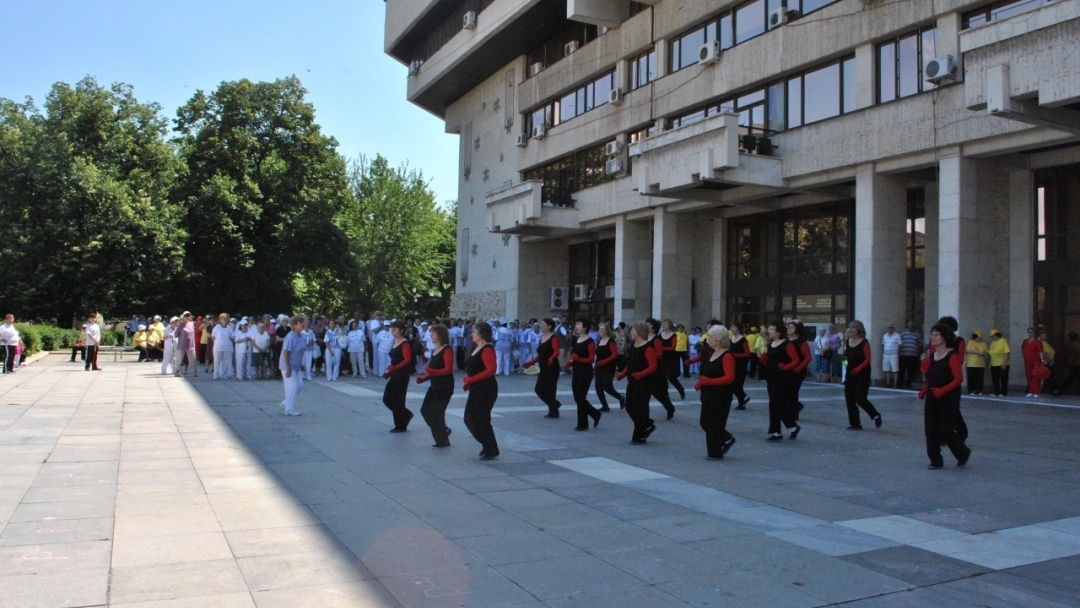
<point x="751" y="160"/>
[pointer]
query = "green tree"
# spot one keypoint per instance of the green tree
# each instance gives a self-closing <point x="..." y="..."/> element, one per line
<point x="262" y="189"/>
<point x="84" y="201"/>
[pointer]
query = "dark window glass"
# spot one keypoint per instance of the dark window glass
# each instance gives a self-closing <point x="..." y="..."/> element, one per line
<point x="750" y="99"/>
<point x="909" y="65"/>
<point x="999" y="10"/>
<point x="928" y="51"/>
<point x="568" y="104"/>
<point x="727" y="35"/>
<point x="775" y="119"/>
<point x="822" y="93"/>
<point x="685" y="52"/>
<point x="749" y="21"/>
<point x="794" y="99"/>
<point x="567" y="175"/>
<point x="848" y="67"/>
<point x="642" y="70"/>
<point x="809" y="6"/>
<point x="887" y="72"/>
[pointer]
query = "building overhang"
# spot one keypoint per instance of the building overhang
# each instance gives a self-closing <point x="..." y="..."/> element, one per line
<point x="518" y="208"/>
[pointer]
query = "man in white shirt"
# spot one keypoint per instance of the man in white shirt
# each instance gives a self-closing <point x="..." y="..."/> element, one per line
<point x="223" y="348"/>
<point x="93" y="341"/>
<point x="374" y="326"/>
<point x="260" y="356"/>
<point x="890" y="360"/>
<point x="9" y="340"/>
<point x="242" y="338"/>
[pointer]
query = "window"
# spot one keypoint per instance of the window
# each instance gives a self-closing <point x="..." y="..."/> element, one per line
<point x="916" y="228"/>
<point x="642" y="133"/>
<point x="900" y="64"/>
<point x="552" y="51"/>
<point x="999" y="10"/>
<point x="575" y="103"/>
<point x="564" y="176"/>
<point x="822" y="93"/>
<point x="642" y="69"/>
<point x="749" y="21"/>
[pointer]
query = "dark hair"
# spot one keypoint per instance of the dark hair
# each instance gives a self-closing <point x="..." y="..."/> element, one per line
<point x="549" y="322"/>
<point x="950" y="322"/>
<point x="798" y="326"/>
<point x="484" y="329"/>
<point x="398" y="324"/>
<point x="714" y="322"/>
<point x="946" y="331"/>
<point x="585" y="323"/>
<point x="440" y="330"/>
<point x="653" y="324"/>
<point x="779" y="326"/>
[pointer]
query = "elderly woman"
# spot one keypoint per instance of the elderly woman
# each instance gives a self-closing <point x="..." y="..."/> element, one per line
<point x="185" y="345"/>
<point x="440" y="371"/>
<point x="941" y="415"/>
<point x="547" y="356"/>
<point x="716" y="384"/>
<point x="483" y="389"/>
<point x="642" y="364"/>
<point x="397" y="374"/>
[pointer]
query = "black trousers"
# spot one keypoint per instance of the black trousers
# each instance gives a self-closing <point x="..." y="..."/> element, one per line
<point x="856" y="395"/>
<point x="459" y="352"/>
<point x="669" y="367"/>
<point x="478" y="414"/>
<point x="740" y="381"/>
<point x="684" y="356"/>
<point x="637" y="407"/>
<point x="781" y="406"/>
<point x="795" y="388"/>
<point x="581" y="383"/>
<point x="909" y="370"/>
<point x="91" y="357"/>
<point x="605" y="383"/>
<point x="434" y="412"/>
<point x="715" y="407"/>
<point x="942" y="422"/>
<point x="397" y="388"/>
<point x="975" y="376"/>
<point x="81" y="351"/>
<point x="547" y="385"/>
<point x="9" y="358"/>
<point x="659" y="384"/>
<point x="370" y="350"/>
<point x="999" y="380"/>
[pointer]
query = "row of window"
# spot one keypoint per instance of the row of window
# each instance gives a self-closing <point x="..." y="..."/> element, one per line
<point x="587" y="97"/>
<point x="999" y="10"/>
<point x="562" y="177"/>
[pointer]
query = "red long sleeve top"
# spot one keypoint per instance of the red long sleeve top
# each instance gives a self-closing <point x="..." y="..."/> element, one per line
<point x="858" y="369"/>
<point x="406" y="358"/>
<point x="613" y="354"/>
<point x="728" y="365"/>
<point x="793" y="358"/>
<point x="956" y="363"/>
<point x="670" y="348"/>
<point x="585" y="360"/>
<point x="805" y="357"/>
<point x="652" y="361"/>
<point x="490" y="366"/>
<point x="447" y="368"/>
<point x="741" y="349"/>
<point x="658" y="346"/>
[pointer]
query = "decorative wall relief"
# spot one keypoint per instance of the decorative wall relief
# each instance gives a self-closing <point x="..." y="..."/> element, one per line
<point x="482" y="305"/>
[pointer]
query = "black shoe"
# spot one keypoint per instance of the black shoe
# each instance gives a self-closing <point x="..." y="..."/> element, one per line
<point x="581" y="428"/>
<point x="855" y="427"/>
<point x="776" y="437"/>
<point x="721" y="457"/>
<point x="742" y="404"/>
<point x="488" y="456"/>
<point x="398" y="429"/>
<point x="741" y="407"/>
<point x="960" y="462"/>
<point x="605" y="409"/>
<point x="795" y="433"/>
<point x="670" y="414"/>
<point x="637" y="442"/>
<point x="550" y="415"/>
<point x="934" y="467"/>
<point x="449" y="431"/>
<point x="622" y="403"/>
<point x="596" y="420"/>
<point x="441" y="446"/>
<point x="727" y="446"/>
<point x="649" y="431"/>
<point x="877" y="421"/>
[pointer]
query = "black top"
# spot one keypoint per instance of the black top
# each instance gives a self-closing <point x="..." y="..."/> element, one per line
<point x="636" y="362"/>
<point x="441" y="383"/>
<point x="667" y="344"/>
<point x="606" y="351"/>
<point x="397" y="356"/>
<point x="939" y="374"/>
<point x="715" y="369"/>
<point x="777" y="356"/>
<point x="474" y="365"/>
<point x="581" y="349"/>
<point x="855" y="356"/>
<point x="544" y="352"/>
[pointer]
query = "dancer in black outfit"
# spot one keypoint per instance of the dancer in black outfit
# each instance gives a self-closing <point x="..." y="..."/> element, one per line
<point x="795" y="336"/>
<point x="740" y="349"/>
<point x="607" y="353"/>
<point x="582" y="356"/>
<point x="715" y="383"/>
<point x="440" y="370"/>
<point x="779" y="363"/>
<point x="642" y="365"/>
<point x="398" y="375"/>
<point x="941" y="415"/>
<point x="669" y="363"/>
<point x="857" y="381"/>
<point x="483" y="390"/>
<point x="659" y="380"/>
<point x="547" y="357"/>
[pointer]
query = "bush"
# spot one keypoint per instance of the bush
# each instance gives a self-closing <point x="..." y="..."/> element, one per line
<point x="48" y="338"/>
<point x="30" y="337"/>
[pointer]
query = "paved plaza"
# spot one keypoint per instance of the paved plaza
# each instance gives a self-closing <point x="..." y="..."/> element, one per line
<point x="126" y="488"/>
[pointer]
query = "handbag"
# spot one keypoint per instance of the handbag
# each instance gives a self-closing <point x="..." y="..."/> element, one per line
<point x="317" y="353"/>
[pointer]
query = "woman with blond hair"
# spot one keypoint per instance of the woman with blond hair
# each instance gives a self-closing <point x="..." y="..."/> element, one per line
<point x="716" y="384"/>
<point x="857" y="354"/>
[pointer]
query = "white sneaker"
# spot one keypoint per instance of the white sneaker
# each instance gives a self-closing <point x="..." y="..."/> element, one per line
<point x="1029" y="395"/>
<point x="292" y="413"/>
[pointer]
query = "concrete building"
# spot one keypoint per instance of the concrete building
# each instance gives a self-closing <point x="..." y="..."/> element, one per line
<point x="750" y="160"/>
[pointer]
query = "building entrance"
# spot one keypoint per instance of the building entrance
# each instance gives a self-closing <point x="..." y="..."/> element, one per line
<point x="1057" y="251"/>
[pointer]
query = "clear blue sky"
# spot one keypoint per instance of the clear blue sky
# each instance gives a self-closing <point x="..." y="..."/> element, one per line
<point x="168" y="49"/>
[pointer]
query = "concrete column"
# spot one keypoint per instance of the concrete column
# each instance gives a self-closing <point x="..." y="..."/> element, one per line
<point x="965" y="271"/>
<point x="1021" y="254"/>
<point x="622" y="74"/>
<point x="670" y="284"/>
<point x="948" y="41"/>
<point x="880" y="268"/>
<point x="663" y="57"/>
<point x="633" y="267"/>
<point x="719" y="269"/>
<point x="930" y="285"/>
<point x="865" y="75"/>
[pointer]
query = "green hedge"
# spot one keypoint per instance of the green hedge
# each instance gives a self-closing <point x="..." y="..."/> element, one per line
<point x="46" y="337"/>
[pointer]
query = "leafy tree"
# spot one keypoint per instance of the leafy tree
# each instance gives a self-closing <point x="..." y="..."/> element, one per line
<point x="84" y="201"/>
<point x="262" y="188"/>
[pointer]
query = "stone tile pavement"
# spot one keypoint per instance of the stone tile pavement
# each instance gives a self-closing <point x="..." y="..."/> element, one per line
<point x="127" y="488"/>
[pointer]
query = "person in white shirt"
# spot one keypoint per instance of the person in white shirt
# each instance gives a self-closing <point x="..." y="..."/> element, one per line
<point x="429" y="344"/>
<point x="384" y="344"/>
<point x="260" y="345"/>
<point x="169" y="342"/>
<point x="223" y="348"/>
<point x="93" y="341"/>
<point x="357" y="337"/>
<point x="9" y="341"/>
<point x="333" y="350"/>
<point x="890" y="360"/>
<point x="308" y="336"/>
<point x="242" y="351"/>
<point x="374" y="326"/>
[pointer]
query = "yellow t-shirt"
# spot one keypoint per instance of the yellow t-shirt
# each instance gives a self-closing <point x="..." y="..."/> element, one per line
<point x="1048" y="351"/>
<point x="139" y="338"/>
<point x="998" y="349"/>
<point x="976" y="353"/>
<point x="682" y="342"/>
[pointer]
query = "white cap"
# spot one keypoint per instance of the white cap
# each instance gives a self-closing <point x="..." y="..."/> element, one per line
<point x="174" y="319"/>
<point x="141" y="327"/>
<point x="157" y="317"/>
<point x="244" y="321"/>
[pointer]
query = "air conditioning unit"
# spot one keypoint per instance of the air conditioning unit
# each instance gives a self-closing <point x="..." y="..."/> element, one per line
<point x="522" y="140"/>
<point x="609" y="292"/>
<point x="536" y="68"/>
<point x="612" y="148"/>
<point x="613" y="166"/>
<point x="581" y="292"/>
<point x="539" y="131"/>
<point x="615" y="96"/>
<point x="781" y="16"/>
<point x="940" y="68"/>
<point x="709" y="52"/>
<point x="468" y="22"/>
<point x="414" y="67"/>
<point x="559" y="301"/>
<point x="569" y="48"/>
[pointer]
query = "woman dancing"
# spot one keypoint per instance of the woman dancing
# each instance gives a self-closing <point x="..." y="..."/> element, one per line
<point x="547" y="356"/>
<point x="641" y="366"/>
<point x="607" y="353"/>
<point x="582" y="356"/>
<point x="483" y="389"/>
<point x="398" y="375"/>
<point x="440" y="370"/>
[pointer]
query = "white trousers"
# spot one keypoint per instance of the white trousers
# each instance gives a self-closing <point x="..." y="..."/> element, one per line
<point x="243" y="367"/>
<point x="308" y="356"/>
<point x="293" y="386"/>
<point x="503" y="362"/>
<point x="178" y="360"/>
<point x="222" y="364"/>
<point x="382" y="361"/>
<point x="166" y="359"/>
<point x="333" y="363"/>
<point x="359" y="364"/>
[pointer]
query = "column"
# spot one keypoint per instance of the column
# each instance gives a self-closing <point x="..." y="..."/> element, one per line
<point x="880" y="265"/>
<point x="633" y="268"/>
<point x="931" y="256"/>
<point x="718" y="285"/>
<point x="1021" y="255"/>
<point x="965" y="269"/>
<point x="865" y="75"/>
<point x="670" y="278"/>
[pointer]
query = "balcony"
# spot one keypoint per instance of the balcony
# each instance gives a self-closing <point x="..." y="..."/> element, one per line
<point x="702" y="162"/>
<point x="519" y="208"/>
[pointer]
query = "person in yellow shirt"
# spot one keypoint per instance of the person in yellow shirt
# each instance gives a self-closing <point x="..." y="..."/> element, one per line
<point x="682" y="348"/>
<point x="153" y="345"/>
<point x="977" y="353"/>
<point x="999" y="363"/>
<point x="1051" y="384"/>
<point x="139" y="339"/>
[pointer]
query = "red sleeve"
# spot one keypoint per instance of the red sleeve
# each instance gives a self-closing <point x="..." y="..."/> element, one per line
<point x="866" y="359"/>
<point x="613" y="353"/>
<point x="591" y="357"/>
<point x="668" y="349"/>
<point x="406" y="358"/>
<point x="925" y="365"/>
<point x="793" y="358"/>
<point x="962" y="347"/>
<point x="728" y="364"/>
<point x="955" y="363"/>
<point x="554" y="358"/>
<point x="658" y="347"/>
<point x="490" y="365"/>
<point x="650" y="369"/>
<point x="744" y="350"/>
<point x="804" y="352"/>
<point x="695" y="359"/>
<point x="447" y="368"/>
<point x="764" y="358"/>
